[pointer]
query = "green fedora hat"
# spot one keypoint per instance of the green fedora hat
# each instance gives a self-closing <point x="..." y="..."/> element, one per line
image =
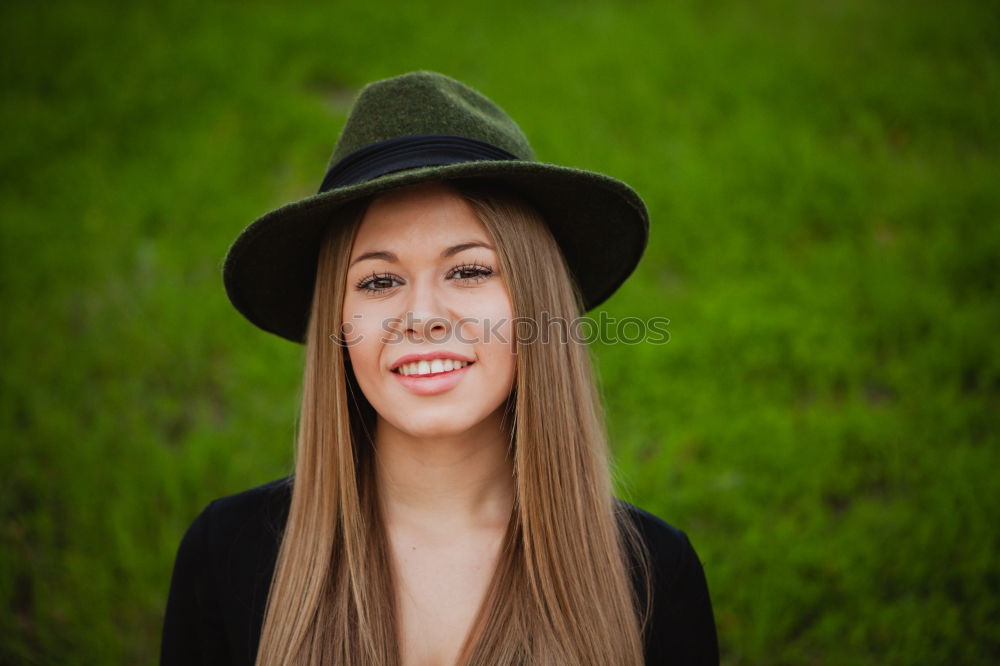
<point x="418" y="127"/>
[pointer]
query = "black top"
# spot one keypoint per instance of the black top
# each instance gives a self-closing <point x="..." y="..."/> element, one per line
<point x="226" y="559"/>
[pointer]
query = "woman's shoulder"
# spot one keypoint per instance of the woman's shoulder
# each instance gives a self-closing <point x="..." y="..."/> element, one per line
<point x="668" y="545"/>
<point x="221" y="576"/>
<point x="269" y="499"/>
<point x="263" y="496"/>
<point x="682" y="626"/>
<point x="235" y="529"/>
<point x="263" y="507"/>
<point x="675" y="564"/>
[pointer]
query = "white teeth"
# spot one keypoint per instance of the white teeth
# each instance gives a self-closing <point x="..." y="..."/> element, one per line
<point x="435" y="366"/>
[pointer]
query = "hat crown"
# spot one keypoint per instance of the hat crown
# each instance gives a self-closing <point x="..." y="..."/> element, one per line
<point x="421" y="103"/>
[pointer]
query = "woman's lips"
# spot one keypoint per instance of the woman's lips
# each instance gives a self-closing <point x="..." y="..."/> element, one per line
<point x="432" y="384"/>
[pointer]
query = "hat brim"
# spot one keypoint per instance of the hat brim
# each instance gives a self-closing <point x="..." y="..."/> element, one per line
<point x="600" y="223"/>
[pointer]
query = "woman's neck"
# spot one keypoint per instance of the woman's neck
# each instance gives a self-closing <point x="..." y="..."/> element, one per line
<point x="443" y="484"/>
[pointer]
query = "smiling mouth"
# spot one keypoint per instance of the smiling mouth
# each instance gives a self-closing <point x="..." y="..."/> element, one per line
<point x="434" y="368"/>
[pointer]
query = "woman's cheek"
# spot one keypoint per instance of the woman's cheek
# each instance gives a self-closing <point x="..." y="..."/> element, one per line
<point x="360" y="335"/>
<point x="494" y="317"/>
<point x="352" y="331"/>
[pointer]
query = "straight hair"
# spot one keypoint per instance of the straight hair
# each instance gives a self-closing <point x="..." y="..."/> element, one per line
<point x="561" y="592"/>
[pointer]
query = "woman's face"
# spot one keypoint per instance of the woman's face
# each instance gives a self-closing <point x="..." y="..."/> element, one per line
<point x="424" y="290"/>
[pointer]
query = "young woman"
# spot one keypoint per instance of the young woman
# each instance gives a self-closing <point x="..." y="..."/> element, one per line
<point x="451" y="501"/>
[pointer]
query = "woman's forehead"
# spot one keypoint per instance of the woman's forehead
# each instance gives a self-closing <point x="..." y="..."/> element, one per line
<point x="430" y="217"/>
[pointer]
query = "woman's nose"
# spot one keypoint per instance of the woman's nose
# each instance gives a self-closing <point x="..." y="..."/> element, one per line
<point x="425" y="316"/>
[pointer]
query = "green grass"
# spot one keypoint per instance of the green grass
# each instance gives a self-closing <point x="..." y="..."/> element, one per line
<point x="825" y="241"/>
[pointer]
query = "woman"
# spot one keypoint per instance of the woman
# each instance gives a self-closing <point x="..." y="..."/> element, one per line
<point x="451" y="501"/>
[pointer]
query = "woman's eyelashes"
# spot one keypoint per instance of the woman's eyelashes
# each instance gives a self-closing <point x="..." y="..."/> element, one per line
<point x="470" y="273"/>
<point x="371" y="283"/>
<point x="466" y="274"/>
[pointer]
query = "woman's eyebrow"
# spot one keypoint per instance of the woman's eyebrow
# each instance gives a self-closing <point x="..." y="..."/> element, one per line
<point x="455" y="249"/>
<point x="378" y="254"/>
<point x="392" y="258"/>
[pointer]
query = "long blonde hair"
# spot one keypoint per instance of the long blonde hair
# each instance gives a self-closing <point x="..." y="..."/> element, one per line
<point x="561" y="592"/>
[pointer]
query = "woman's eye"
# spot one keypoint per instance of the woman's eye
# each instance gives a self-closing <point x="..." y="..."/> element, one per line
<point x="472" y="273"/>
<point x="377" y="283"/>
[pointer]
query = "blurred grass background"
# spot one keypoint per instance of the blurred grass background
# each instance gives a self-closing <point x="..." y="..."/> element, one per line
<point x="822" y="179"/>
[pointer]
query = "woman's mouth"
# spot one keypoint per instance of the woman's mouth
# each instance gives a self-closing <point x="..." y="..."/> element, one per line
<point x="431" y="377"/>
<point x="430" y="368"/>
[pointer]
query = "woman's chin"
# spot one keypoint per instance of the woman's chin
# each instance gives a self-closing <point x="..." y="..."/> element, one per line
<point x="433" y="423"/>
<point x="440" y="429"/>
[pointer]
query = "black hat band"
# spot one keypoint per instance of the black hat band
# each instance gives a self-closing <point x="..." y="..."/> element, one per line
<point x="409" y="152"/>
